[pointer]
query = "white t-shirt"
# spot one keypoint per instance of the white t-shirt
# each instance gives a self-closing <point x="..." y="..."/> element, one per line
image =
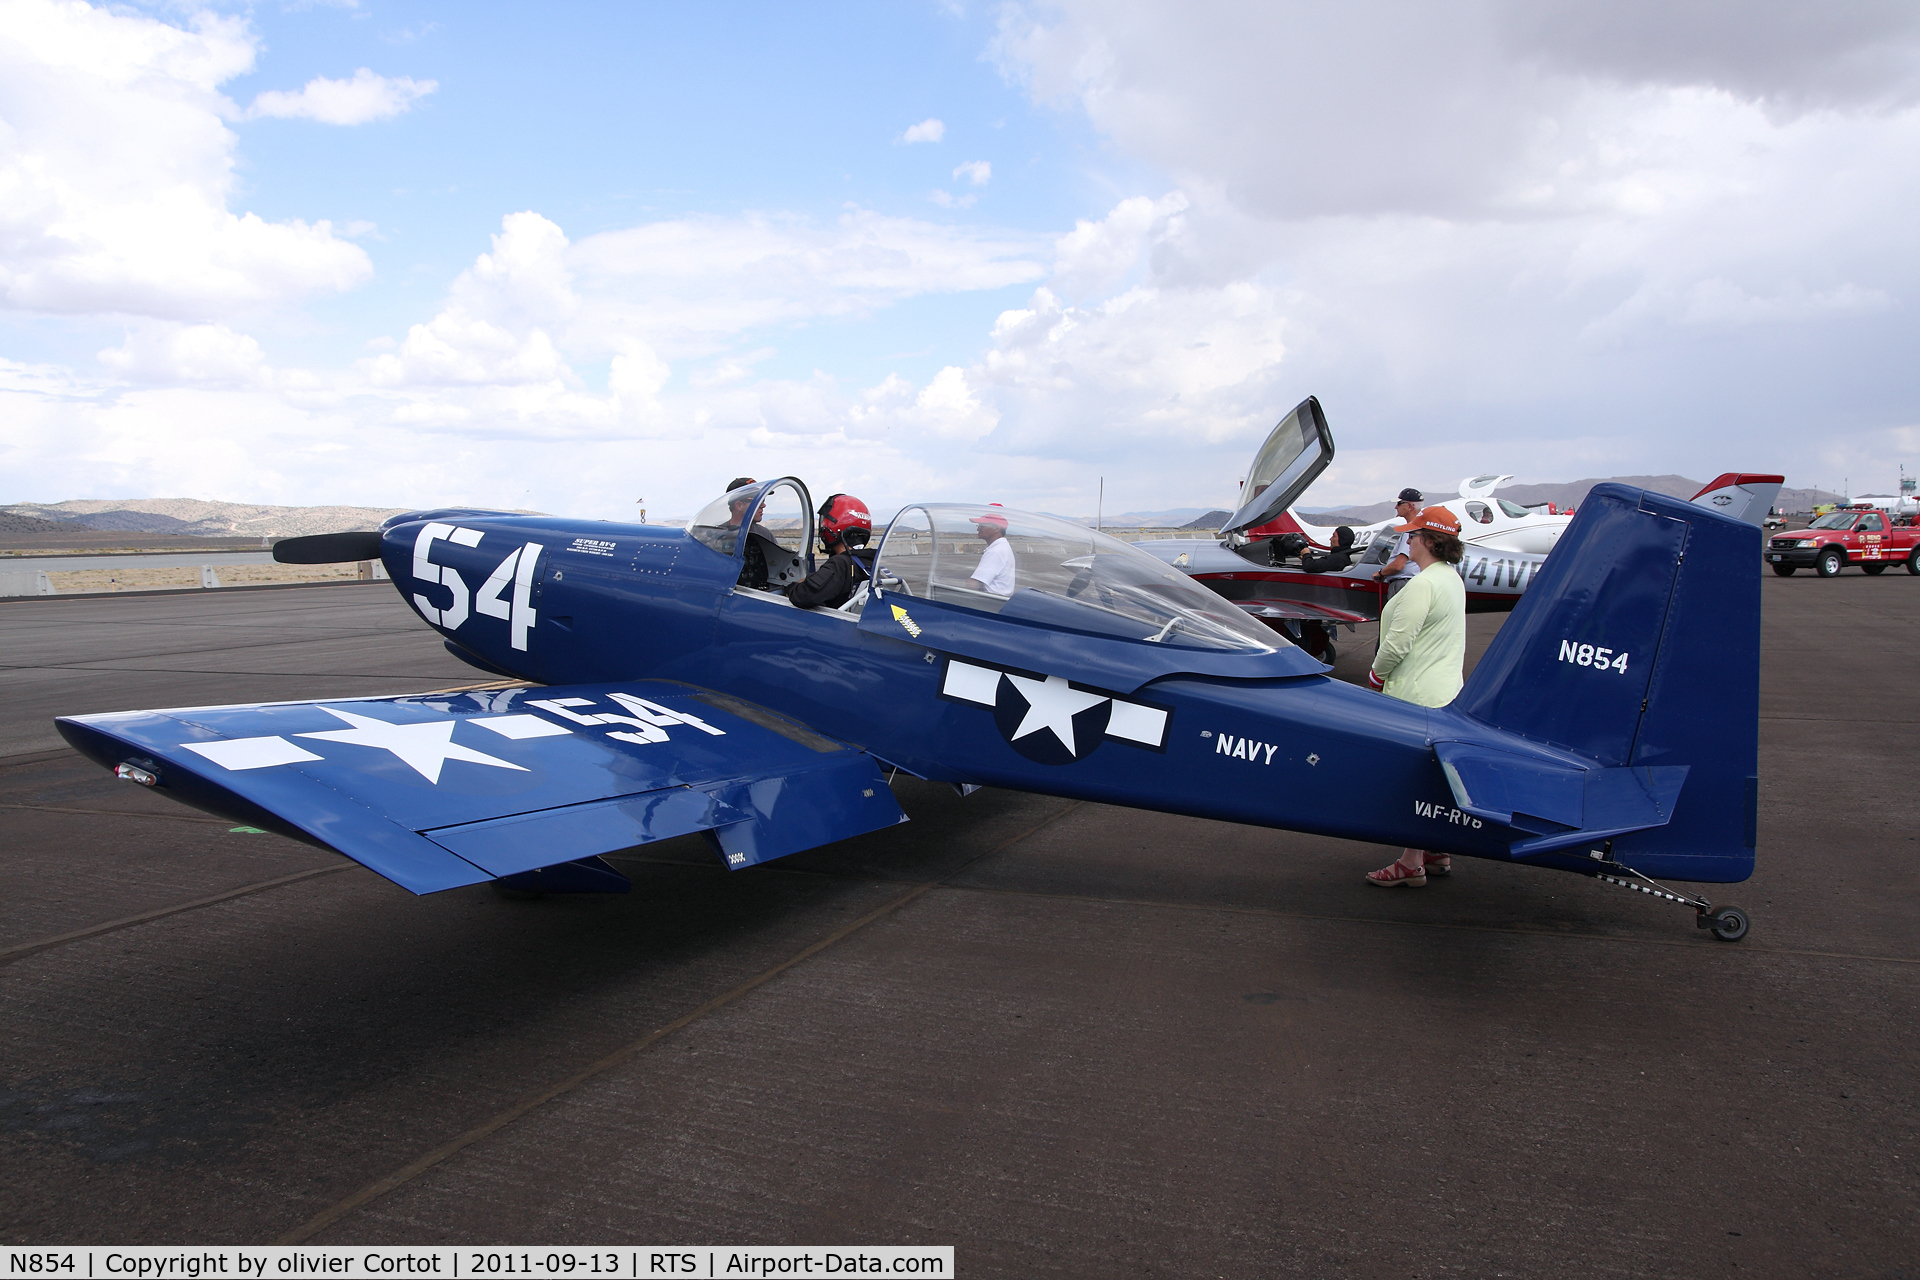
<point x="995" y="572"/>
<point x="1409" y="569"/>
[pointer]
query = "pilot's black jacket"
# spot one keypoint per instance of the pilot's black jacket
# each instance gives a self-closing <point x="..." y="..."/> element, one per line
<point x="1338" y="558"/>
<point x="833" y="583"/>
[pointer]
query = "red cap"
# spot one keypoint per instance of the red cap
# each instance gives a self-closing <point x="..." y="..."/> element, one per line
<point x="998" y="522"/>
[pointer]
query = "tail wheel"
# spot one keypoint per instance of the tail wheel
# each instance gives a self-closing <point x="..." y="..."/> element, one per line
<point x="1829" y="564"/>
<point x="1729" y="924"/>
<point x="1786" y="570"/>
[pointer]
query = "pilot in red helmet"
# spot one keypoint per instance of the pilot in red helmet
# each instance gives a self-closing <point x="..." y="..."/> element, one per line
<point x="845" y="528"/>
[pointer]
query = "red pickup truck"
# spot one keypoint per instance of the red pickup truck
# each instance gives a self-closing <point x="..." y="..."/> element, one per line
<point x="1866" y="536"/>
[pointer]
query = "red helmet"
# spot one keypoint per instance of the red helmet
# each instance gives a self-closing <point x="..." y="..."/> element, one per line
<point x="842" y="513"/>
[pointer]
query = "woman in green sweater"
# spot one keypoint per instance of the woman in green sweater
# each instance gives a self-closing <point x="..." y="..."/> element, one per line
<point x="1423" y="646"/>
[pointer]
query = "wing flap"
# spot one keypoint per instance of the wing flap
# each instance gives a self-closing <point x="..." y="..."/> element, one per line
<point x="528" y="841"/>
<point x="840" y="796"/>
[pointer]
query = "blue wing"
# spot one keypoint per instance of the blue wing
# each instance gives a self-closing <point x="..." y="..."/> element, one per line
<point x="442" y="790"/>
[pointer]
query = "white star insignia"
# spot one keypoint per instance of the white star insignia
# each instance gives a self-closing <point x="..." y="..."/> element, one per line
<point x="1052" y="704"/>
<point x="425" y="747"/>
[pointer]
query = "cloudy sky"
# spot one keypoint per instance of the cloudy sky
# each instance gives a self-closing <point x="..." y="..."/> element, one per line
<point x="568" y="256"/>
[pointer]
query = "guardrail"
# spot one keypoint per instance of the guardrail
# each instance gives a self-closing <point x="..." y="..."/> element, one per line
<point x="71" y="575"/>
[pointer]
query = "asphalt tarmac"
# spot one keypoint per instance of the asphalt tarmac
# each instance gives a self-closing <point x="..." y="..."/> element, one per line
<point x="1069" y="1040"/>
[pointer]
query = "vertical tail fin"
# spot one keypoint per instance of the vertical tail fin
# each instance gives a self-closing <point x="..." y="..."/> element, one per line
<point x="1638" y="645"/>
<point x="1742" y="495"/>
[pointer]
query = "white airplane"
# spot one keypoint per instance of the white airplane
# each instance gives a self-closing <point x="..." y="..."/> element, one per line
<point x="1486" y="522"/>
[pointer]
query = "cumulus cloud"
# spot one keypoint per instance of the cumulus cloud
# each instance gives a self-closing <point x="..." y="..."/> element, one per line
<point x="978" y="172"/>
<point x="365" y="97"/>
<point x="1095" y="256"/>
<point x="688" y="285"/>
<point x="116" y="167"/>
<point x="1450" y="109"/>
<point x="928" y="130"/>
<point x="172" y="353"/>
<point x="1844" y="53"/>
<point x="948" y="408"/>
<point x="499" y="358"/>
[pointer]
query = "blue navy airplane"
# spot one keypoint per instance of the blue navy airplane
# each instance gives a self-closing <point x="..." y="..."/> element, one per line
<point x="1610" y="730"/>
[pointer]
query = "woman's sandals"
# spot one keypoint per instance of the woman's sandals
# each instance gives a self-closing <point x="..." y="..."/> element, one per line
<point x="1395" y="873"/>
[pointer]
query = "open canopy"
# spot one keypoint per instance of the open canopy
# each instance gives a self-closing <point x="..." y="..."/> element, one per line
<point x="1293" y="457"/>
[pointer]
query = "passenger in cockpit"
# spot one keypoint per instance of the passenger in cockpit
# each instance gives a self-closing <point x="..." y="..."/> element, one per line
<point x="994" y="573"/>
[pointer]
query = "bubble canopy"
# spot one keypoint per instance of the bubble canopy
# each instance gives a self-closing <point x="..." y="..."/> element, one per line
<point x="1057" y="573"/>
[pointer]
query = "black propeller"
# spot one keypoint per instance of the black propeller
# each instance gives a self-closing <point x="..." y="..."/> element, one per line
<point x="328" y="548"/>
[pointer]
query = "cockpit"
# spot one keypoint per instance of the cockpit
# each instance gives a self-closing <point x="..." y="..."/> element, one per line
<point x="769" y="526"/>
<point x="1016" y="564"/>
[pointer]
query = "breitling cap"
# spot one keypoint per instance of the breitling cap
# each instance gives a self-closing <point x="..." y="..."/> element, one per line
<point x="1437" y="518"/>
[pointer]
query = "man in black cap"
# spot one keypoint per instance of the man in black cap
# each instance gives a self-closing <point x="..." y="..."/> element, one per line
<point x="1400" y="569"/>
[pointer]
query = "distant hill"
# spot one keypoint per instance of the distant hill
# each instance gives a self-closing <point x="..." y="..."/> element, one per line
<point x="1172" y="518"/>
<point x="16" y="524"/>
<point x="1797" y="500"/>
<point x="192" y="517"/>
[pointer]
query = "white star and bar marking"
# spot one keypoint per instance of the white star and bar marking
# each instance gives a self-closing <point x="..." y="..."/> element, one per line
<point x="1052" y="703"/>
<point x="424" y="747"/>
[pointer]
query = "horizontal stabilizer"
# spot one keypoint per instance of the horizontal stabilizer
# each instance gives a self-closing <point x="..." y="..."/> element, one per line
<point x="1561" y="804"/>
<point x="442" y="790"/>
<point x="328" y="548"/>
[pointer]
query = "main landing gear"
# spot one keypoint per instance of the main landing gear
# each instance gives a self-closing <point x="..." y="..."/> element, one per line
<point x="1729" y="924"/>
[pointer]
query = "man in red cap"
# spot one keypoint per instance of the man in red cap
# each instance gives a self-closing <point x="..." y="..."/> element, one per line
<point x="994" y="574"/>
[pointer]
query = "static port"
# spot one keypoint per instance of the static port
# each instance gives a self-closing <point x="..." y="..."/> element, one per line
<point x="134" y="773"/>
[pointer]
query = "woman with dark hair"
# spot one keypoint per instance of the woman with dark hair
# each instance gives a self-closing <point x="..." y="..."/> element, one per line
<point x="1423" y="647"/>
